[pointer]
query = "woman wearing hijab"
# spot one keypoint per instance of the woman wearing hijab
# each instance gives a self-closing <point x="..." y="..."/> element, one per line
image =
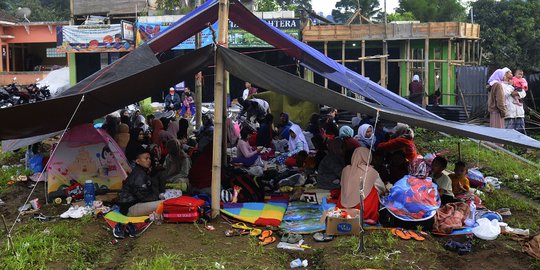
<point x="140" y="122"/>
<point x="403" y="141"/>
<point x="136" y="141"/>
<point x="173" y="127"/>
<point x="122" y="137"/>
<point x="177" y="164"/>
<point x="183" y="126"/>
<point x="232" y="135"/>
<point x="297" y="142"/>
<point x="361" y="180"/>
<point x="366" y="137"/>
<point x="329" y="170"/>
<point x="415" y="90"/>
<point x="284" y="126"/>
<point x="157" y="127"/>
<point x="496" y="98"/>
<point x="124" y="117"/>
<point x="266" y="132"/>
<point x="314" y="127"/>
<point x="346" y="134"/>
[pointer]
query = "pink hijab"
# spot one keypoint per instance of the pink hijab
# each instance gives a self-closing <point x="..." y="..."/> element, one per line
<point x="352" y="178"/>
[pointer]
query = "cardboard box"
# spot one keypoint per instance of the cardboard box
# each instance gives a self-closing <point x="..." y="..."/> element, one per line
<point x="343" y="226"/>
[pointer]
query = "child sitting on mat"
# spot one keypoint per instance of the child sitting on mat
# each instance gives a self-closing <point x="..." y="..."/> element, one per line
<point x="460" y="182"/>
<point x="442" y="180"/>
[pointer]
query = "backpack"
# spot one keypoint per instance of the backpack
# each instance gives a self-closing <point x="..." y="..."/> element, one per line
<point x="183" y="209"/>
<point x="251" y="190"/>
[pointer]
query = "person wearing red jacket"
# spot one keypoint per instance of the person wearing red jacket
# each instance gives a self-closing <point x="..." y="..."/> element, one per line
<point x="403" y="141"/>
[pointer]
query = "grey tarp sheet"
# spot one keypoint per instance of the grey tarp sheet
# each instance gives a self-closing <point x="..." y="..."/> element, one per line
<point x="54" y="114"/>
<point x="274" y="79"/>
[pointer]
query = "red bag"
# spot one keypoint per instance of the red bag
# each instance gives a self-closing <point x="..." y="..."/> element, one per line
<point x="182" y="209"/>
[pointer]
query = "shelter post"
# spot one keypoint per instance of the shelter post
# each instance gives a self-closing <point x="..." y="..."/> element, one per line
<point x="219" y="88"/>
<point x="426" y="73"/>
<point x="325" y="54"/>
<point x="198" y="83"/>
<point x="363" y="55"/>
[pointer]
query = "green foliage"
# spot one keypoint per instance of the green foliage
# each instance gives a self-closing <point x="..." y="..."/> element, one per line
<point x="42" y="10"/>
<point x="177" y="5"/>
<point x="510" y="32"/>
<point x="267" y="5"/>
<point x="294" y="4"/>
<point x="346" y="8"/>
<point x="433" y="10"/>
<point x="38" y="244"/>
<point x="405" y="16"/>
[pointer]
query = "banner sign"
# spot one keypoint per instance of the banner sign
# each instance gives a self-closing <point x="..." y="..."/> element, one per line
<point x="238" y="38"/>
<point x="91" y="38"/>
<point x="128" y="31"/>
<point x="147" y="31"/>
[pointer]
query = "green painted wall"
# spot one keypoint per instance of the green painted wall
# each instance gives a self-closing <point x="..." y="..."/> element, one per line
<point x="72" y="69"/>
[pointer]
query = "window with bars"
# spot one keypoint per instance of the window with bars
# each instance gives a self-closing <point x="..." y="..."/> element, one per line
<point x="52" y="53"/>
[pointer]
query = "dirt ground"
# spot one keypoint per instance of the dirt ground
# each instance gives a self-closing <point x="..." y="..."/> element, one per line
<point x="197" y="244"/>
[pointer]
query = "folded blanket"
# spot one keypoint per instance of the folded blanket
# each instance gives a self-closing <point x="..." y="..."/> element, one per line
<point x="257" y="213"/>
<point x="450" y="217"/>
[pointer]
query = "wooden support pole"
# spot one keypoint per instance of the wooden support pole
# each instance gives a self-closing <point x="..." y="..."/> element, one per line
<point x="449" y="75"/>
<point x="407" y="66"/>
<point x="383" y="71"/>
<point x="426" y="73"/>
<point x="219" y="88"/>
<point x="343" y="62"/>
<point x="363" y="55"/>
<point x="384" y="62"/>
<point x="325" y="54"/>
<point x="198" y="84"/>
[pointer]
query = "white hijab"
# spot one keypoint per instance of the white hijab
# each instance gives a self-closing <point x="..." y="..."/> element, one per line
<point x="498" y="76"/>
<point x="416" y="78"/>
<point x="299" y="136"/>
<point x="362" y="134"/>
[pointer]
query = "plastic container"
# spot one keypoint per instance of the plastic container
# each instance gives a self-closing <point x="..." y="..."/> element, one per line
<point x="471" y="219"/>
<point x="89" y="193"/>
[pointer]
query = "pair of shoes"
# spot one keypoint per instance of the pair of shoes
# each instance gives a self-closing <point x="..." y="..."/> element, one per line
<point x="291" y="238"/>
<point x="267" y="238"/>
<point x="322" y="237"/>
<point x="406" y="234"/>
<point x="461" y="248"/>
<point x="120" y="230"/>
<point x="75" y="212"/>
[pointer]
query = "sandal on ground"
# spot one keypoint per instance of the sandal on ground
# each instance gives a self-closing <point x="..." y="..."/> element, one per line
<point x="452" y="245"/>
<point x="401" y="233"/>
<point x="255" y="232"/>
<point x="294" y="238"/>
<point x="241" y="225"/>
<point x="322" y="237"/>
<point x="232" y="232"/>
<point x="267" y="240"/>
<point x="265" y="234"/>
<point x="415" y="236"/>
<point x="466" y="249"/>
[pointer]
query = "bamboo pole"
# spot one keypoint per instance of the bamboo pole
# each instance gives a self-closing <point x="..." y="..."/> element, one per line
<point x="363" y="55"/>
<point x="198" y="83"/>
<point x="449" y="75"/>
<point x="325" y="54"/>
<point x="343" y="61"/>
<point x="407" y="67"/>
<point x="384" y="61"/>
<point x="219" y="88"/>
<point x="426" y="72"/>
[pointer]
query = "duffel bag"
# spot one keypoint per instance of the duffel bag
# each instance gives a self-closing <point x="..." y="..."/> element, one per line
<point x="182" y="209"/>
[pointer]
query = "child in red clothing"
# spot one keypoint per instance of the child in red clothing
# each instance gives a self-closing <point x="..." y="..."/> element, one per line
<point x="519" y="84"/>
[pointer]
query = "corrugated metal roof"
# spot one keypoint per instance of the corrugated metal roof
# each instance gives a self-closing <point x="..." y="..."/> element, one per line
<point x="87" y="7"/>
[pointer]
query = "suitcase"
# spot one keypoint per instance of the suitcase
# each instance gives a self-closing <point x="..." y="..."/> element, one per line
<point x="182" y="209"/>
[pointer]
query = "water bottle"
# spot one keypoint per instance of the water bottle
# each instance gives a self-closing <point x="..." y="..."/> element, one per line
<point x="469" y="222"/>
<point x="89" y="193"/>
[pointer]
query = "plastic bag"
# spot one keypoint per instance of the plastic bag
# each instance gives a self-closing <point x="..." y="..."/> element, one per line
<point x="35" y="164"/>
<point x="486" y="229"/>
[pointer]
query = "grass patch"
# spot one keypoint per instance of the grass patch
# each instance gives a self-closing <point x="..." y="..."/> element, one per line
<point x="40" y="244"/>
<point x="491" y="163"/>
<point x="380" y="251"/>
<point x="526" y="215"/>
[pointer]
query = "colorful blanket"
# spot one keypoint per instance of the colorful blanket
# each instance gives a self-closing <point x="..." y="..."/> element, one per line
<point x="413" y="199"/>
<point x="262" y="214"/>
<point x="303" y="218"/>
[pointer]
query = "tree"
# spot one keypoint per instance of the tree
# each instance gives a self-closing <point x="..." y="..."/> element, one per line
<point x="294" y="4"/>
<point x="267" y="5"/>
<point x="509" y="32"/>
<point x="42" y="10"/>
<point x="405" y="16"/>
<point x="346" y="8"/>
<point x="433" y="10"/>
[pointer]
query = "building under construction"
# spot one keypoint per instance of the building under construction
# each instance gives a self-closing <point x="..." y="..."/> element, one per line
<point x="397" y="51"/>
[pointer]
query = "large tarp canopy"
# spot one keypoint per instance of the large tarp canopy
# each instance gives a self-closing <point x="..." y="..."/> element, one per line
<point x="274" y="79"/>
<point x="54" y="114"/>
